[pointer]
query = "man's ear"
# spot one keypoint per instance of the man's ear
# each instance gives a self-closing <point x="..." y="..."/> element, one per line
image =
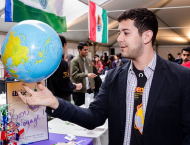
<point x="147" y="36"/>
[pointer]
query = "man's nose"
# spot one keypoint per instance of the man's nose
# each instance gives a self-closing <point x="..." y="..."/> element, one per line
<point x="120" y="38"/>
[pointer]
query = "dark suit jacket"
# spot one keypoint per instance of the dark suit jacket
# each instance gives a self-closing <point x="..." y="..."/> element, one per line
<point x="167" y="119"/>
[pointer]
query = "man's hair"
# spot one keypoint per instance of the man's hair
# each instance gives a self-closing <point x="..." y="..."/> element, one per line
<point x="179" y="53"/>
<point x="187" y="48"/>
<point x="63" y="40"/>
<point x="81" y="45"/>
<point x="143" y="20"/>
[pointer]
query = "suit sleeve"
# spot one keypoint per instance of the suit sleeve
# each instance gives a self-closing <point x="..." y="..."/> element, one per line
<point x="74" y="71"/>
<point x="185" y="109"/>
<point x="88" y="118"/>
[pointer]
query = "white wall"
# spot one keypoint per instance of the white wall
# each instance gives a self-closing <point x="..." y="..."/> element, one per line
<point x="117" y="50"/>
<point x="164" y="50"/>
<point x="101" y="50"/>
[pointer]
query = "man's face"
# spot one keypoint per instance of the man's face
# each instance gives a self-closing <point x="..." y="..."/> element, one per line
<point x="84" y="51"/>
<point x="185" y="56"/>
<point x="64" y="48"/>
<point x="129" y="40"/>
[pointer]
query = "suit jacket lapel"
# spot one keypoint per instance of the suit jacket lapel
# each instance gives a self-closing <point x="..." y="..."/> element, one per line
<point x="156" y="86"/>
<point x="122" y="92"/>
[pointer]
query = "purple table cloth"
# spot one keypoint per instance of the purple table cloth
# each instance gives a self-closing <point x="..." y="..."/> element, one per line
<point x="55" y="138"/>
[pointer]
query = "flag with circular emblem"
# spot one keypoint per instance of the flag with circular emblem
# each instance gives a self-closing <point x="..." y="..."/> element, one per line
<point x="98" y="23"/>
<point x="51" y="12"/>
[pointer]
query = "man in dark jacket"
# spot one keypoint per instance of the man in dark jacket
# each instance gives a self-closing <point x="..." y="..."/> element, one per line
<point x="146" y="100"/>
<point x="59" y="82"/>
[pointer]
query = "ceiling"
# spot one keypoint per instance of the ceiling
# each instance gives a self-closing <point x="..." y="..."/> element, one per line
<point x="174" y="20"/>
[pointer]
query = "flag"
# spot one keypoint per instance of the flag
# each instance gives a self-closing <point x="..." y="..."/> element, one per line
<point x="21" y="131"/>
<point x="48" y="11"/>
<point x="3" y="135"/>
<point x="11" y="135"/>
<point x="98" y="23"/>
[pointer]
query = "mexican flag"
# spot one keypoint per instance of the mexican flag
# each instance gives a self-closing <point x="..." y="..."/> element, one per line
<point x="48" y="11"/>
<point x="98" y="23"/>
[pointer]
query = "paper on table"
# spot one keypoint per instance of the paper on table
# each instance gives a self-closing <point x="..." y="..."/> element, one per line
<point x="59" y="126"/>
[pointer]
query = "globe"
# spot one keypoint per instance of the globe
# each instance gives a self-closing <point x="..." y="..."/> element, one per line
<point x="31" y="51"/>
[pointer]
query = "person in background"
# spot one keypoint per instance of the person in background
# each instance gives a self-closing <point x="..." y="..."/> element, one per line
<point x="105" y="57"/>
<point x="81" y="71"/>
<point x="59" y="82"/>
<point x="7" y="76"/>
<point x="178" y="56"/>
<point x="105" y="67"/>
<point x="118" y="59"/>
<point x="112" y="64"/>
<point x="68" y="60"/>
<point x="170" y="57"/>
<point x="97" y="64"/>
<point x="98" y="82"/>
<point x="185" y="55"/>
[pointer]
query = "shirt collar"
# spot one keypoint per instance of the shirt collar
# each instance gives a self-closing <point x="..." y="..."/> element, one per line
<point x="151" y="65"/>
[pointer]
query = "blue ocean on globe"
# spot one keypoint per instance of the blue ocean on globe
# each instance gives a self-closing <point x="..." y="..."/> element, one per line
<point x="31" y="51"/>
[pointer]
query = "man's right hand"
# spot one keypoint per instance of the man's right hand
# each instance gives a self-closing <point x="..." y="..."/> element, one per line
<point x="92" y="75"/>
<point x="43" y="97"/>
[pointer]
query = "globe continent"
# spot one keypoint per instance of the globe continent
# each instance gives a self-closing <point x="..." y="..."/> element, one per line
<point x="31" y="51"/>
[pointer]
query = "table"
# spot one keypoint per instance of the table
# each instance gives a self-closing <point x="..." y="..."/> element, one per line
<point x="55" y="138"/>
<point x="99" y="134"/>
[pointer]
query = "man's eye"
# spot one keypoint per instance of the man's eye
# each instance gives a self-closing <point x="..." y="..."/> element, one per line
<point x="126" y="33"/>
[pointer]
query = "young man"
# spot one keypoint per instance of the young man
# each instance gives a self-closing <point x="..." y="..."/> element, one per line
<point x="59" y="82"/>
<point x="146" y="100"/>
<point x="81" y="71"/>
<point x="185" y="55"/>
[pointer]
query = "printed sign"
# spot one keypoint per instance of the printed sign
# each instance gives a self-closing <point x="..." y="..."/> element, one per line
<point x="32" y="119"/>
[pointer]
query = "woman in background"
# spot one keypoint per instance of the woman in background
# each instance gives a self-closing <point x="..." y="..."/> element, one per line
<point x="105" y="67"/>
<point x="170" y="57"/>
<point x="118" y="59"/>
<point x="112" y="64"/>
<point x="98" y="64"/>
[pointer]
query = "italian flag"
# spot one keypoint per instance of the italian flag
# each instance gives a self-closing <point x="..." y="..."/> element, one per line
<point x="98" y="23"/>
<point x="48" y="11"/>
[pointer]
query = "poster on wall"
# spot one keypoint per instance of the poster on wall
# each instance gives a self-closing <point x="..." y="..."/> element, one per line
<point x="31" y="119"/>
